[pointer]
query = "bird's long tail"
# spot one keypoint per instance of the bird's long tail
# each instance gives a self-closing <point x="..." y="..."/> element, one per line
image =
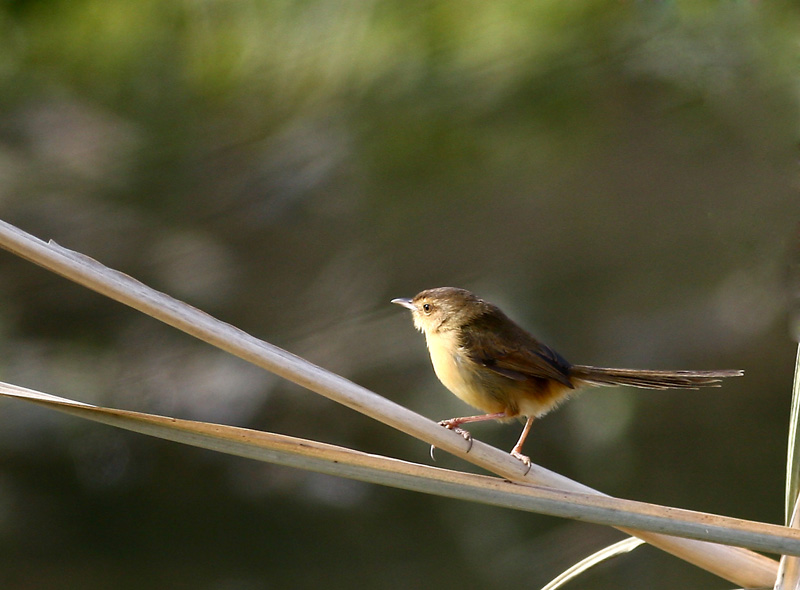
<point x="584" y="374"/>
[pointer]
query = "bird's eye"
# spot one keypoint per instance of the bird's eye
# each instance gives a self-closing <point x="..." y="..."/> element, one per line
<point x="426" y="307"/>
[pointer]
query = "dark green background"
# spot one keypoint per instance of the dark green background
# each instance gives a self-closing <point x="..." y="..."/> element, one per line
<point x="619" y="176"/>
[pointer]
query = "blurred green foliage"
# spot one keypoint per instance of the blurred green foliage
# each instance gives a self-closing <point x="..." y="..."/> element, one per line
<point x="619" y="176"/>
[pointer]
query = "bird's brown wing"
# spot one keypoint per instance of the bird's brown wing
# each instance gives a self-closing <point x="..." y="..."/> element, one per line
<point x="519" y="356"/>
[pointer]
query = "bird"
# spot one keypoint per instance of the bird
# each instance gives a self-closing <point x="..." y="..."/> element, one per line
<point x="496" y="366"/>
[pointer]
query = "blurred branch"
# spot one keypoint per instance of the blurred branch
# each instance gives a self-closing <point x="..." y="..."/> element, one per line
<point x="789" y="569"/>
<point x="793" y="454"/>
<point x="740" y="566"/>
<point x="625" y="546"/>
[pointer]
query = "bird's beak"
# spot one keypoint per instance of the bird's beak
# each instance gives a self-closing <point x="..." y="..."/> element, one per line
<point x="405" y="302"/>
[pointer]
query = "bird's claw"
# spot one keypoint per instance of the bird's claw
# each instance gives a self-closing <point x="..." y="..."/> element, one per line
<point x="450" y="425"/>
<point x="524" y="458"/>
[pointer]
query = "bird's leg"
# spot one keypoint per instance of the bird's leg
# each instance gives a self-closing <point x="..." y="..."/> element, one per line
<point x="455" y="423"/>
<point x="517" y="450"/>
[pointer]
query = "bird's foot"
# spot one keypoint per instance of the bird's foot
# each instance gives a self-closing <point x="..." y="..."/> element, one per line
<point x="524" y="458"/>
<point x="454" y="426"/>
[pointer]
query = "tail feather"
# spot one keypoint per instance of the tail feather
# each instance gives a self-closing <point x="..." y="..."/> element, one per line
<point x="584" y="374"/>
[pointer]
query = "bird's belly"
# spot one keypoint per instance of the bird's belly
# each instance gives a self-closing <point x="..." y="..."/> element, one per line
<point x="468" y="381"/>
<point x="489" y="391"/>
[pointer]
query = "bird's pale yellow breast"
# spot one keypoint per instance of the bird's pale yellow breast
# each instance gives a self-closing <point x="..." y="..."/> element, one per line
<point x="454" y="372"/>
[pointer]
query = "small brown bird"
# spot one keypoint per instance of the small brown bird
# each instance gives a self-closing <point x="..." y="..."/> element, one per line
<point x="491" y="363"/>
